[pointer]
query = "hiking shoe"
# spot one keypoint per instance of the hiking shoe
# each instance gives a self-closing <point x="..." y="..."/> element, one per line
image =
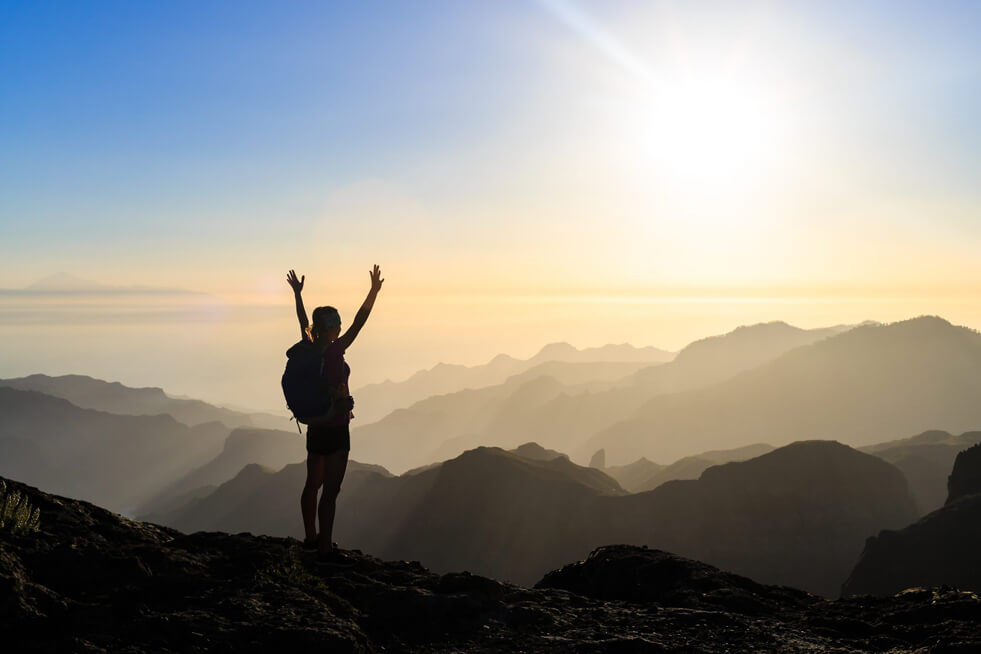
<point x="333" y="559"/>
<point x="311" y="545"/>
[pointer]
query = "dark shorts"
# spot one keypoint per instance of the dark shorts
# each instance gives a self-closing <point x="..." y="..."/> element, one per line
<point x="329" y="439"/>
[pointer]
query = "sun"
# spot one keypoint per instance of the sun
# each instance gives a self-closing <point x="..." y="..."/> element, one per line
<point x="711" y="134"/>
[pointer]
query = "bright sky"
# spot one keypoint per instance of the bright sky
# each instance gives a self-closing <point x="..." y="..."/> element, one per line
<point x="483" y="152"/>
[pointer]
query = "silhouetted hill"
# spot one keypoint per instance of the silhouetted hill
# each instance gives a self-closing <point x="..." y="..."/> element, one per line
<point x="926" y="460"/>
<point x="692" y="467"/>
<point x="797" y="516"/>
<point x="113" y="397"/>
<point x="494" y="512"/>
<point x="92" y="581"/>
<point x="859" y="387"/>
<point x="375" y="401"/>
<point x="120" y="461"/>
<point x="536" y="452"/>
<point x="644" y="475"/>
<point x="258" y="499"/>
<point x="265" y="447"/>
<point x="563" y="411"/>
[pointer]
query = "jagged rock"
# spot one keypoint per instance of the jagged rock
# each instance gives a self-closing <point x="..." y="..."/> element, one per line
<point x="599" y="459"/>
<point x="965" y="478"/>
<point x="941" y="548"/>
<point x="92" y="581"/>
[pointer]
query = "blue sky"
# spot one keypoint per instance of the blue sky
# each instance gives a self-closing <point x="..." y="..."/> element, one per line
<point x="177" y="133"/>
<point x="525" y="172"/>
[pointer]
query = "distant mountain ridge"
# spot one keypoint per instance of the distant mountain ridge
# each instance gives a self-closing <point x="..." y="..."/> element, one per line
<point x="113" y="397"/>
<point x="378" y="400"/>
<point x="62" y="282"/>
<point x="861" y="387"/>
<point x="692" y="467"/>
<point x="926" y="460"/>
<point x="244" y="446"/>
<point x="716" y="358"/>
<point x="563" y="415"/>
<point x="117" y="460"/>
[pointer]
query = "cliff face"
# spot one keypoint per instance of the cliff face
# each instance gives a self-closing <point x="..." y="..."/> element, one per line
<point x="965" y="478"/>
<point x="91" y="581"/>
<point x="940" y="548"/>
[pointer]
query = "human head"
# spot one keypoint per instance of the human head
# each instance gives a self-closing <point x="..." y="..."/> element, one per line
<point x="326" y="324"/>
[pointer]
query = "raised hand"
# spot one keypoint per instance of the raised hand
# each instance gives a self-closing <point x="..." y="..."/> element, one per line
<point x="376" y="279"/>
<point x="296" y="284"/>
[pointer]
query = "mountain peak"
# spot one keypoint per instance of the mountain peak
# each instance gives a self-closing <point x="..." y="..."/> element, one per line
<point x="536" y="452"/>
<point x="556" y="350"/>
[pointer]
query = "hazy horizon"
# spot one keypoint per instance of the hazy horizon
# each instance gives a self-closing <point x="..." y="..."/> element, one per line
<point x="231" y="351"/>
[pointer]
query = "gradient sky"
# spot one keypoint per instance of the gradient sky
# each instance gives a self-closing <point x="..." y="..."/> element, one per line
<point x="496" y="149"/>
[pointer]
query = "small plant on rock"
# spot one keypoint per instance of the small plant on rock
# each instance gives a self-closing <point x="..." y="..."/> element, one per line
<point x="16" y="513"/>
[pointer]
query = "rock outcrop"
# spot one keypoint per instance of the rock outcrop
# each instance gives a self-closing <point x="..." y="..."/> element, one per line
<point x="965" y="478"/>
<point x="91" y="581"/>
<point x="941" y="548"/>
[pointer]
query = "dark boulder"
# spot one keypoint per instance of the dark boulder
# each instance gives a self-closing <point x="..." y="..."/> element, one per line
<point x="639" y="574"/>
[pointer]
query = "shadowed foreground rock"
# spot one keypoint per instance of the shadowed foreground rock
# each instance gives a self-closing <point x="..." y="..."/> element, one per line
<point x="93" y="581"/>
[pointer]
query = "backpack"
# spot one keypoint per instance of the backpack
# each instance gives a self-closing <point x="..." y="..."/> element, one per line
<point x="303" y="383"/>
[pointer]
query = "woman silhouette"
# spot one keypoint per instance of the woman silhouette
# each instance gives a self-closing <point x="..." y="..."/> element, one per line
<point x="329" y="438"/>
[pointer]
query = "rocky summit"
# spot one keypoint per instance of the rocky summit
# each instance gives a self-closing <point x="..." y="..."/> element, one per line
<point x="91" y="581"/>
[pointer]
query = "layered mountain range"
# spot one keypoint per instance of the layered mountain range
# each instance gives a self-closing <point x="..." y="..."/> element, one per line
<point x="375" y="401"/>
<point x="798" y="515"/>
<point x="113" y="397"/>
<point x="860" y="387"/>
<point x="795" y="514"/>
<point x="550" y="406"/>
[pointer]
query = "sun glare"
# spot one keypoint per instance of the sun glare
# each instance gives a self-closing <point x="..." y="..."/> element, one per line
<point x="711" y="134"/>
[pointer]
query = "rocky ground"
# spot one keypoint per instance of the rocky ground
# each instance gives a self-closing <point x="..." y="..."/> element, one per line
<point x="90" y="580"/>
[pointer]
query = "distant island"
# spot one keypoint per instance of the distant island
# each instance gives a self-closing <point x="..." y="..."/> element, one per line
<point x="67" y="283"/>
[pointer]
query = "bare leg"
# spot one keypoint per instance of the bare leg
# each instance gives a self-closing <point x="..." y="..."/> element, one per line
<point x="316" y="470"/>
<point x="335" y="469"/>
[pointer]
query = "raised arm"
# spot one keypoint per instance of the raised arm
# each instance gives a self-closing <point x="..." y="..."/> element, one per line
<point x="301" y="313"/>
<point x="362" y="316"/>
